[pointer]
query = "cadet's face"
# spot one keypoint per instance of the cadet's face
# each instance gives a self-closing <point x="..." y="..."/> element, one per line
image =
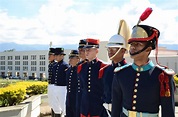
<point x="51" y="57"/>
<point x="81" y="53"/>
<point x="137" y="46"/>
<point x="112" y="51"/>
<point x="59" y="57"/>
<point x="91" y="53"/>
<point x="73" y="61"/>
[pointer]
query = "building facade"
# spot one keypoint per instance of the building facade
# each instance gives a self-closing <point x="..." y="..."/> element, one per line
<point x="34" y="64"/>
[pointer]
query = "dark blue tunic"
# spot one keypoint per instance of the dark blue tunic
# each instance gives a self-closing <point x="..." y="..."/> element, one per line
<point x="92" y="89"/>
<point x="71" y="77"/>
<point x="108" y="78"/>
<point x="138" y="89"/>
<point x="59" y="72"/>
<point x="51" y="78"/>
<point x="79" y="92"/>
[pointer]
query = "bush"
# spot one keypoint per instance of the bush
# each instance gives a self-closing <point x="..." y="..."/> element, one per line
<point x="37" y="89"/>
<point x="15" y="93"/>
<point x="176" y="78"/>
<point x="12" y="95"/>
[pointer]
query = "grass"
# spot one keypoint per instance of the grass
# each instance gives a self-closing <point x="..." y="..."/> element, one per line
<point x="6" y="82"/>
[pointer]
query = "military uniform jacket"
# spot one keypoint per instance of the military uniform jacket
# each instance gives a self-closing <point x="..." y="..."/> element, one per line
<point x="51" y="79"/>
<point x="71" y="77"/>
<point x="92" y="88"/>
<point x="108" y="78"/>
<point x="79" y="92"/>
<point x="59" y="72"/>
<point x="138" y="89"/>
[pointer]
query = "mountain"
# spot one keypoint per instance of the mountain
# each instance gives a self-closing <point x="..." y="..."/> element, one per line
<point x="169" y="46"/>
<point x="25" y="47"/>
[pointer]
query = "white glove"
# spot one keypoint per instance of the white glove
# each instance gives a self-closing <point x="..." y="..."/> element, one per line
<point x="107" y="106"/>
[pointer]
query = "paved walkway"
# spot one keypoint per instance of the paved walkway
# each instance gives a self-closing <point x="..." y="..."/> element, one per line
<point x="46" y="110"/>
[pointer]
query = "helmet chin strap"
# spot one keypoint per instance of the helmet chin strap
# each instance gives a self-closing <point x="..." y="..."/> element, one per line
<point x="138" y="52"/>
<point x="115" y="53"/>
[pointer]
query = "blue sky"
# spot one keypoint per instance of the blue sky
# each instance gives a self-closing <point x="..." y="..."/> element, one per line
<point x="67" y="21"/>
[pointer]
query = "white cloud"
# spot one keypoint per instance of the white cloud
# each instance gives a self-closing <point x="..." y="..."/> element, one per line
<point x="59" y="22"/>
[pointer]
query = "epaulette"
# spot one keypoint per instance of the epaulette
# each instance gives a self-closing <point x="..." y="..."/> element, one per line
<point x="79" y="67"/>
<point x="101" y="71"/>
<point x="166" y="70"/>
<point x="121" y="67"/>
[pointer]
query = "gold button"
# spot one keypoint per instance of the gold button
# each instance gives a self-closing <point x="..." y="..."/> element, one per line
<point x="88" y="75"/>
<point x="136" y="85"/>
<point x="133" y="108"/>
<point x="137" y="79"/>
<point x="138" y="74"/>
<point x="135" y="96"/>
<point x="135" y="90"/>
<point x="134" y="101"/>
<point x="88" y="82"/>
<point x="88" y="90"/>
<point x="88" y="86"/>
<point x="88" y="78"/>
<point x="141" y="69"/>
<point x="89" y="67"/>
<point x="137" y="69"/>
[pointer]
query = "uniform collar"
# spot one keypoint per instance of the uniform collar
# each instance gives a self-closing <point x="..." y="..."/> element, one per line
<point x="93" y="61"/>
<point x="121" y="63"/>
<point x="146" y="67"/>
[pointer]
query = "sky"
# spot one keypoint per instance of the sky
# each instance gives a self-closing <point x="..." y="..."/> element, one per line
<point x="67" y="21"/>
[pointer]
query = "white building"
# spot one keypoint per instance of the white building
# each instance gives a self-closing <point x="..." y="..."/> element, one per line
<point x="35" y="63"/>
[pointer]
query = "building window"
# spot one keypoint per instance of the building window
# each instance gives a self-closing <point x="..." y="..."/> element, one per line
<point x="33" y="57"/>
<point x="9" y="63"/>
<point x="33" y="62"/>
<point x="2" y="67"/>
<point x="17" y="62"/>
<point x="9" y="67"/>
<point x="25" y="68"/>
<point x="17" y="68"/>
<point x="42" y="57"/>
<point x="25" y="57"/>
<point x="42" y="62"/>
<point x="2" y="62"/>
<point x="17" y="57"/>
<point x="9" y="57"/>
<point x="42" y="68"/>
<point x="25" y="62"/>
<point x="33" y="68"/>
<point x="2" y="57"/>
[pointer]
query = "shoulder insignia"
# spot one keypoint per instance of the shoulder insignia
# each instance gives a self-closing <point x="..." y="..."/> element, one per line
<point x="101" y="71"/>
<point x="79" y="68"/>
<point x="121" y="67"/>
<point x="166" y="70"/>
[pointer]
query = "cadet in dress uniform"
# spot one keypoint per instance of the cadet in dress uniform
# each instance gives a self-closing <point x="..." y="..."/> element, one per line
<point x="51" y="79"/>
<point x="71" y="77"/>
<point x="116" y="48"/>
<point x="92" y="85"/>
<point x="83" y="59"/>
<point x="59" y="71"/>
<point x="140" y="88"/>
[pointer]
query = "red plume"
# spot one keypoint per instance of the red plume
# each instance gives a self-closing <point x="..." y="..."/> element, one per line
<point x="145" y="15"/>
